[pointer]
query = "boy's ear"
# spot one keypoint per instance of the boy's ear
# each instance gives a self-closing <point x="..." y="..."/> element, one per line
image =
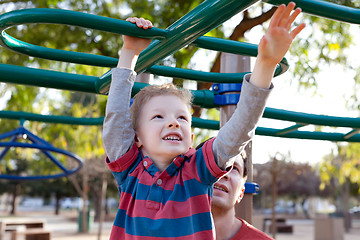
<point x="137" y="141"/>
<point x="238" y="200"/>
<point x="192" y="138"/>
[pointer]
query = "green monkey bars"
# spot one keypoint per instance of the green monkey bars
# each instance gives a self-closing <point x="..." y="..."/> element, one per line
<point x="187" y="30"/>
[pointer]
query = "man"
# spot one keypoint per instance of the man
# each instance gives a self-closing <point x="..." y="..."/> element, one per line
<point x="228" y="191"/>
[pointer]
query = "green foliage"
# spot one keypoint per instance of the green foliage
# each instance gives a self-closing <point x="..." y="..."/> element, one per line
<point x="341" y="166"/>
<point x="325" y="43"/>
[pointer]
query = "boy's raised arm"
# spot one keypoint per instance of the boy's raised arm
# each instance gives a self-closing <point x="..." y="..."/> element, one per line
<point x="274" y="44"/>
<point x="239" y="130"/>
<point x="118" y="134"/>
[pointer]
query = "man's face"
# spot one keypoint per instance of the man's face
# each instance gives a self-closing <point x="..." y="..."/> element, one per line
<point x="229" y="190"/>
<point x="164" y="130"/>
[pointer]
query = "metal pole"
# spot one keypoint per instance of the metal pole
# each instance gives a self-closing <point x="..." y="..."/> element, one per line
<point x="231" y="63"/>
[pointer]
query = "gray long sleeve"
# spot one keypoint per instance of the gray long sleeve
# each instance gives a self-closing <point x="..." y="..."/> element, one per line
<point x="240" y="129"/>
<point x="118" y="133"/>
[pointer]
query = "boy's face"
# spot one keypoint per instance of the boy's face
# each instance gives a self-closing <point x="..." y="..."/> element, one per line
<point x="229" y="190"/>
<point x="164" y="129"/>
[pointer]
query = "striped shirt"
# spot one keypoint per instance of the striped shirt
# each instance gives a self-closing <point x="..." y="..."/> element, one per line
<point x="173" y="204"/>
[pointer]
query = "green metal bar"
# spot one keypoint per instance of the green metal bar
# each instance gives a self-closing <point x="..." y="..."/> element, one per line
<point x="47" y="78"/>
<point x="289" y="129"/>
<point x="55" y="54"/>
<point x="200" y="20"/>
<point x="325" y="9"/>
<point x="306" y="118"/>
<point x="236" y="47"/>
<point x="75" y="82"/>
<point x="104" y="61"/>
<point x="196" y="75"/>
<point x="222" y="45"/>
<point x="196" y="122"/>
<point x="50" y="118"/>
<point x="21" y="116"/>
<point x="67" y="17"/>
<point x="335" y="137"/>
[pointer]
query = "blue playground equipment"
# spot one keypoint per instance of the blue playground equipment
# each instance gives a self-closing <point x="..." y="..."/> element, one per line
<point x="36" y="143"/>
<point x="187" y="30"/>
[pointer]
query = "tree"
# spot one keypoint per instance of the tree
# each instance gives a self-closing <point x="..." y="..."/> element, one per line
<point x="341" y="170"/>
<point x="295" y="181"/>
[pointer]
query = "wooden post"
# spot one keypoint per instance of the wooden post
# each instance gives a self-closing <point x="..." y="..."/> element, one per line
<point x="143" y="78"/>
<point x="232" y="63"/>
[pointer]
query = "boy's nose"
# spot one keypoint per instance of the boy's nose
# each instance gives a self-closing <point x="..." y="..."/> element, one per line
<point x="173" y="124"/>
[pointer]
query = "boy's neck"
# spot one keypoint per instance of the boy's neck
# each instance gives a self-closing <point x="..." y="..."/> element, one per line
<point x="161" y="164"/>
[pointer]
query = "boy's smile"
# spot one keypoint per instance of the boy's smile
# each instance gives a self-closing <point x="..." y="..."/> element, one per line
<point x="164" y="130"/>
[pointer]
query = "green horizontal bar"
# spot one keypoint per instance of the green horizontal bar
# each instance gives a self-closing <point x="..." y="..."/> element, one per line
<point x="50" y="118"/>
<point x="55" y="54"/>
<point x="79" y="83"/>
<point x="196" y="122"/>
<point x="325" y="9"/>
<point x="334" y="137"/>
<point x="306" y="118"/>
<point x="47" y="78"/>
<point x="196" y="75"/>
<point x="86" y="20"/>
<point x="222" y="45"/>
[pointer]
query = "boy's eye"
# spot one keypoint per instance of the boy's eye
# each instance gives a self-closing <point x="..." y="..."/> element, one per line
<point x="183" y="118"/>
<point x="157" y="116"/>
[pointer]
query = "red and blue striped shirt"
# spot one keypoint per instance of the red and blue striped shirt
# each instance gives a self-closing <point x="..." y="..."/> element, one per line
<point x="173" y="204"/>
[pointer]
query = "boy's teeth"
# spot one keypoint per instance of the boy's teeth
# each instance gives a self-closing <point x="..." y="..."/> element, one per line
<point x="172" y="138"/>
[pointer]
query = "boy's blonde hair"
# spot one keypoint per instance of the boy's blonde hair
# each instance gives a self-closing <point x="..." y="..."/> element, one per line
<point x="145" y="94"/>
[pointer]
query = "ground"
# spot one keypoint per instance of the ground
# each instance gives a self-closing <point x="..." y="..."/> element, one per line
<point x="65" y="226"/>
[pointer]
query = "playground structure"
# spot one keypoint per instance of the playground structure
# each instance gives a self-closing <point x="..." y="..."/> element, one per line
<point x="202" y="19"/>
<point x="187" y="30"/>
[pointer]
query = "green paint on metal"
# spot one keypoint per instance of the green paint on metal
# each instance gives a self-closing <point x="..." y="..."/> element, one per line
<point x="196" y="122"/>
<point x="47" y="78"/>
<point x="325" y="9"/>
<point x="306" y="118"/>
<point x="205" y="17"/>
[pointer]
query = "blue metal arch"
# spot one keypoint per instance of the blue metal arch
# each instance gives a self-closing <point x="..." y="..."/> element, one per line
<point x="42" y="145"/>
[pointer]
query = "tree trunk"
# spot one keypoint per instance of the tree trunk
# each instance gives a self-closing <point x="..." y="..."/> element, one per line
<point x="57" y="204"/>
<point x="16" y="193"/>
<point x="306" y="212"/>
<point x="345" y="200"/>
<point x="84" y="217"/>
<point x="102" y="197"/>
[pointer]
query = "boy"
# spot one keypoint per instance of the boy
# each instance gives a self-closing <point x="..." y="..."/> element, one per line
<point x="165" y="185"/>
